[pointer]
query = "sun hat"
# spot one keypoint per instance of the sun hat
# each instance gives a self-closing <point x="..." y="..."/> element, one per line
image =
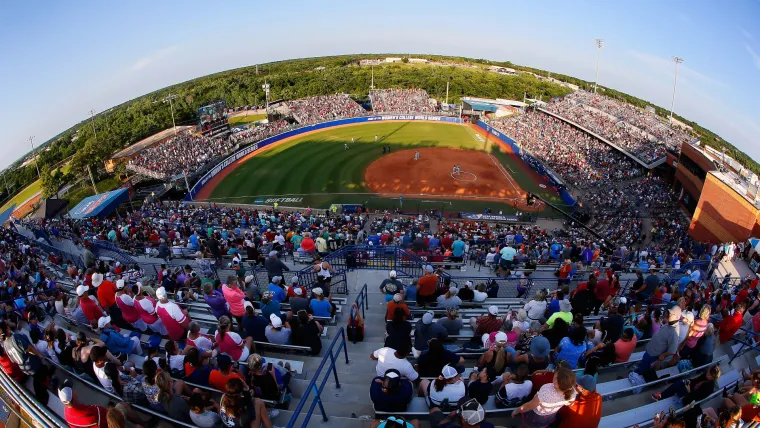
<point x="539" y="346"/>
<point x="97" y="279"/>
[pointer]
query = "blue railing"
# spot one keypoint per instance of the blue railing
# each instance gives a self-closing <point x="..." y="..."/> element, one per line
<point x="332" y="354"/>
<point x="362" y="303"/>
<point x="745" y="344"/>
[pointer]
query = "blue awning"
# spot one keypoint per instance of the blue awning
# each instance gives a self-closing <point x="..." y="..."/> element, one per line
<point x="482" y="106"/>
<point x="5" y="215"/>
<point x="99" y="205"/>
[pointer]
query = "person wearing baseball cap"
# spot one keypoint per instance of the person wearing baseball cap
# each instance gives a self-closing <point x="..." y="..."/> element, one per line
<point x="487" y="324"/>
<point x="89" y="306"/>
<point x="115" y="342"/>
<point x="391" y="392"/>
<point x="426" y="329"/>
<point x="276" y="332"/>
<point x="426" y="287"/>
<point x="320" y="306"/>
<point x="445" y="390"/>
<point x="298" y="301"/>
<point x="390" y="286"/>
<point x="586" y="410"/>
<point x="295" y="286"/>
<point x="174" y="319"/>
<point x="277" y="288"/>
<point x="664" y="343"/>
<point x="450" y="299"/>
<point x="467" y="292"/>
<point x="275" y="266"/>
<point x="397" y="302"/>
<point x="468" y="414"/>
<point x="78" y="414"/>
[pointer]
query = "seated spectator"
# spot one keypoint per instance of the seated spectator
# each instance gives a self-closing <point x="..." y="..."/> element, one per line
<point x="537" y="358"/>
<point x="573" y="348"/>
<point x="268" y="380"/>
<point x="542" y="410"/>
<point x="431" y="362"/>
<point x="450" y="299"/>
<point x="586" y="410"/>
<point x="625" y="345"/>
<point x="238" y="409"/>
<point x="389" y="358"/>
<point x="445" y="390"/>
<point x="78" y="414"/>
<point x="487" y="324"/>
<point x="269" y="306"/>
<point x="298" y="302"/>
<point x="391" y="392"/>
<point x="565" y="313"/>
<point x="689" y="390"/>
<point x="89" y="306"/>
<point x="516" y="387"/>
<point x="425" y="330"/>
<point x="118" y="345"/>
<point x="537" y="307"/>
<point x="389" y="287"/>
<point x="198" y="340"/>
<point x="235" y="298"/>
<point x="230" y="343"/>
<point x="172" y="316"/>
<point x="277" y="289"/>
<point x="452" y="322"/>
<point x="466" y="293"/>
<point x="276" y="332"/>
<point x="216" y="301"/>
<point x="254" y="326"/>
<point x="320" y="306"/>
<point x="203" y="413"/>
<point x="496" y="359"/>
<point x="219" y="377"/>
<point x="479" y="294"/>
<point x="197" y="369"/>
<point x="308" y="334"/>
<point x="292" y="290"/>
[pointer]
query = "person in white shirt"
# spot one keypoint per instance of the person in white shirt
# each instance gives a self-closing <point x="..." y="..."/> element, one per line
<point x="479" y="294"/>
<point x="536" y="307"/>
<point x="448" y="386"/>
<point x="389" y="358"/>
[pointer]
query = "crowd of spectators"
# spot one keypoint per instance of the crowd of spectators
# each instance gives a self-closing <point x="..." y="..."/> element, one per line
<point x="308" y="111"/>
<point x="639" y="132"/>
<point x="181" y="154"/>
<point x="580" y="159"/>
<point x="261" y="132"/>
<point x="401" y="101"/>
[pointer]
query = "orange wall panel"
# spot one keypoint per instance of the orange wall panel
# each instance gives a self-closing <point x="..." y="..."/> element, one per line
<point x="723" y="215"/>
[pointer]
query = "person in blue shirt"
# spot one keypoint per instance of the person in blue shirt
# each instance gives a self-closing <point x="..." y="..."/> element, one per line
<point x="194" y="240"/>
<point x="278" y="293"/>
<point x="254" y="325"/>
<point x="434" y="243"/>
<point x="587" y="255"/>
<point x="556" y="248"/>
<point x="684" y="281"/>
<point x="269" y="306"/>
<point x="374" y="239"/>
<point x="319" y="306"/>
<point x="406" y="241"/>
<point x="457" y="249"/>
<point x="518" y="239"/>
<point x="115" y="342"/>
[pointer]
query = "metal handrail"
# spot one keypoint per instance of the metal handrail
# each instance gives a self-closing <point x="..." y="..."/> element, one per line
<point x="39" y="412"/>
<point x="317" y="400"/>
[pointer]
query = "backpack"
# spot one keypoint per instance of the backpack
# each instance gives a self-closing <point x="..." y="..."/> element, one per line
<point x="16" y="352"/>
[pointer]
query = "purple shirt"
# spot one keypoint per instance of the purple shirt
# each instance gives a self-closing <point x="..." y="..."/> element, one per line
<point x="217" y="303"/>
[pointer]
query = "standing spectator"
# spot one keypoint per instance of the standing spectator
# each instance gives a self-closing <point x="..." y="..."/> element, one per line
<point x="215" y="300"/>
<point x="275" y="266"/>
<point x="235" y="298"/>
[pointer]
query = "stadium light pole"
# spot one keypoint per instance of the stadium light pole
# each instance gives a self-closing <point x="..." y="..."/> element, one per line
<point x="266" y="87"/>
<point x="169" y="98"/>
<point x="676" y="60"/>
<point x="372" y="83"/>
<point x="31" y="141"/>
<point x="599" y="45"/>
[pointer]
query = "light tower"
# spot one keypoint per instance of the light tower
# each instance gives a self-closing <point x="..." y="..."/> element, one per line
<point x="676" y="60"/>
<point x="266" y="87"/>
<point x="599" y="46"/>
<point x="31" y="141"/>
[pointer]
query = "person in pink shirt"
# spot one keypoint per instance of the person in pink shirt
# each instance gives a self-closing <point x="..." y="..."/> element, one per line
<point x="146" y="308"/>
<point x="235" y="298"/>
<point x="172" y="316"/>
<point x="231" y="343"/>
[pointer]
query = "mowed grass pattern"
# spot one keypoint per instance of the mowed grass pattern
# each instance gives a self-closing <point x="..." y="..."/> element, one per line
<point x="318" y="168"/>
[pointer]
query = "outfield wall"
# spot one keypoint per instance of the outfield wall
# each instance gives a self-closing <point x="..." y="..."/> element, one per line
<point x="532" y="162"/>
<point x="245" y="151"/>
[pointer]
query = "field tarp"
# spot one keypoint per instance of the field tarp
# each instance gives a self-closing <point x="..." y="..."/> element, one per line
<point x="532" y="162"/>
<point x="245" y="151"/>
<point x="99" y="205"/>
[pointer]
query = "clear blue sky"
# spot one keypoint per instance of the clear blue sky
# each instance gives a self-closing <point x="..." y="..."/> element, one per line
<point x="61" y="59"/>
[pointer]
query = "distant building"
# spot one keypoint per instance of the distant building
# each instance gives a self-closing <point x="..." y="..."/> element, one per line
<point x="392" y="59"/>
<point x="502" y="70"/>
<point x="370" y="62"/>
<point x="418" y="60"/>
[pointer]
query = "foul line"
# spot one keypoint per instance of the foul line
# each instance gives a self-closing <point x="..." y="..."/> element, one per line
<point x="503" y="171"/>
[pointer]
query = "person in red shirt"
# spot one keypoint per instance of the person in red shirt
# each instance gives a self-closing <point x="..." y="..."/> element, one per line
<point x="586" y="410"/>
<point x="731" y="323"/>
<point x="106" y="290"/>
<point x="753" y="284"/>
<point x="219" y="377"/>
<point x="742" y="296"/>
<point x="426" y="287"/>
<point x="79" y="415"/>
<point x="10" y="368"/>
<point x="90" y="308"/>
<point x="601" y="293"/>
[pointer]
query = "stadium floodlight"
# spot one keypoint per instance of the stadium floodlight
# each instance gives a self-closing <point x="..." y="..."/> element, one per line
<point x="31" y="141"/>
<point x="169" y="98"/>
<point x="266" y="87"/>
<point x="599" y="46"/>
<point x="677" y="60"/>
<point x="89" y="169"/>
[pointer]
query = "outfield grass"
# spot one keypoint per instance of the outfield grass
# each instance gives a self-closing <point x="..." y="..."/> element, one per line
<point x="317" y="168"/>
<point x="23" y="195"/>
<point x="243" y="119"/>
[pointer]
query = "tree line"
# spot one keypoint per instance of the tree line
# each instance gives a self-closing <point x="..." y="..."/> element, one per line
<point x="92" y="141"/>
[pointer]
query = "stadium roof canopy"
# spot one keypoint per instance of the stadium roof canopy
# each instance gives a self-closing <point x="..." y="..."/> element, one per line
<point x="478" y="106"/>
<point x="147" y="142"/>
<point x="99" y="205"/>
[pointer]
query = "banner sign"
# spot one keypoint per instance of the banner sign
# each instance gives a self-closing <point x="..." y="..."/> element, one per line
<point x="489" y="217"/>
<point x="245" y="151"/>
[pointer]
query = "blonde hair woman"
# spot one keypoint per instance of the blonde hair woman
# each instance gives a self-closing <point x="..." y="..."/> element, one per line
<point x="536" y="308"/>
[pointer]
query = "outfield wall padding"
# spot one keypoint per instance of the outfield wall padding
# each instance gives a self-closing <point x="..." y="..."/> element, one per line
<point x="532" y="162"/>
<point x="245" y="151"/>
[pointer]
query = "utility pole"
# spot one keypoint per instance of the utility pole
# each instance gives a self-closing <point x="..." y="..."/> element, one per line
<point x="266" y="87"/>
<point x="599" y="45"/>
<point x="676" y="60"/>
<point x="372" y="83"/>
<point x="31" y="141"/>
<point x="447" y="92"/>
<point x="89" y="167"/>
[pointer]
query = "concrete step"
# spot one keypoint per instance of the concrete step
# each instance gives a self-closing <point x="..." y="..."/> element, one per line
<point x="316" y="419"/>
